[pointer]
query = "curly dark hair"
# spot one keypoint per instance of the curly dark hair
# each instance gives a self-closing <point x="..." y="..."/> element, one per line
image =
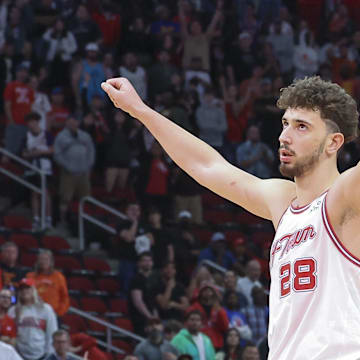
<point x="337" y="108"/>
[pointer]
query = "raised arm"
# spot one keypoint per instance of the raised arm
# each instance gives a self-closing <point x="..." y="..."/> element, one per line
<point x="265" y="198"/>
<point x="216" y="19"/>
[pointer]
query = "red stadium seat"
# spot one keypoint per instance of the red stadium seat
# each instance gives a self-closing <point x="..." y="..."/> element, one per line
<point x="124" y="323"/>
<point x="202" y="235"/>
<point x="96" y="264"/>
<point x="262" y="237"/>
<point x="17" y="222"/>
<point x="93" y="304"/>
<point x="2" y="240"/>
<point x="80" y="283"/>
<point x="75" y="323"/>
<point x="94" y="326"/>
<point x="119" y="305"/>
<point x="28" y="259"/>
<point x="25" y="241"/>
<point x="219" y="216"/>
<point x="110" y="285"/>
<point x="55" y="243"/>
<point x="123" y="345"/>
<point x="74" y="302"/>
<point x="67" y="262"/>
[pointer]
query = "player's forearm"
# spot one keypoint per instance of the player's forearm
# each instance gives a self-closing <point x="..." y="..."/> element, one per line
<point x="190" y="153"/>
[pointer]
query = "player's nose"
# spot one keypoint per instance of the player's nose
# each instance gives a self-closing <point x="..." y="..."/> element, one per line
<point x="285" y="136"/>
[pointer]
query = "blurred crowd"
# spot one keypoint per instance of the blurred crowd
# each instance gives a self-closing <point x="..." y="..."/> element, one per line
<point x="215" y="68"/>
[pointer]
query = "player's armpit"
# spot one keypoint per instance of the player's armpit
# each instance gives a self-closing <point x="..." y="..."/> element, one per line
<point x="265" y="198"/>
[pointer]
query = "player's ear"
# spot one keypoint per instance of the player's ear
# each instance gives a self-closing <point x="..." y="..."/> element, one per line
<point x="334" y="143"/>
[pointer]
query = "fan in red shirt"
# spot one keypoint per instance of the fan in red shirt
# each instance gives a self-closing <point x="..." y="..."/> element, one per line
<point x="7" y="324"/>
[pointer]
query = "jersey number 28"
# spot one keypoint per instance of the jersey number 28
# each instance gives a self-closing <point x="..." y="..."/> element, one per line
<point x="302" y="276"/>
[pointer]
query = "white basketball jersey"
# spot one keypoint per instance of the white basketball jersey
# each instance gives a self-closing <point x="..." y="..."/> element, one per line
<point x="315" y="289"/>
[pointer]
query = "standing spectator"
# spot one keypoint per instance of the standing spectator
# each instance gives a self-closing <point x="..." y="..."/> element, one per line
<point x="217" y="251"/>
<point x="232" y="348"/>
<point x="211" y="121"/>
<point x="230" y="282"/>
<point x="61" y="45"/>
<point x="257" y="314"/>
<point x="254" y="156"/>
<point x="19" y="97"/>
<point x="59" y="111"/>
<point x="170" y="294"/>
<point x="191" y="340"/>
<point x="117" y="154"/>
<point x="75" y="154"/>
<point x="155" y="346"/>
<point x="7" y="324"/>
<point x="35" y="322"/>
<point x="163" y="24"/>
<point x="11" y="272"/>
<point x="246" y="284"/>
<point x="50" y="283"/>
<point x="135" y="73"/>
<point x="8" y="352"/>
<point x="41" y="103"/>
<point x="38" y="149"/>
<point x="214" y="317"/>
<point x="283" y="45"/>
<point x="141" y="303"/>
<point x="241" y="257"/>
<point x="62" y="346"/>
<point x="88" y="72"/>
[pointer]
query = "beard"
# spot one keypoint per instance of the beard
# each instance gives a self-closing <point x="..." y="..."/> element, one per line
<point x="303" y="165"/>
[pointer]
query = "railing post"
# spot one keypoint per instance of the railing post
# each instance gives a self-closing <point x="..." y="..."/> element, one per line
<point x="81" y="224"/>
<point x="43" y="200"/>
<point x="108" y="339"/>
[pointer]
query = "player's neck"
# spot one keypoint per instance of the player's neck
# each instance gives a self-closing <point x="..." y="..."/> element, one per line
<point x="314" y="183"/>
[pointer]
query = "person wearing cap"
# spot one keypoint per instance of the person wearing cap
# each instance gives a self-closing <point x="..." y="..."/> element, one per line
<point x="35" y="321"/>
<point x="215" y="321"/>
<point x="217" y="251"/>
<point x="18" y="97"/>
<point x="7" y="324"/>
<point x="89" y="73"/>
<point x="155" y="346"/>
<point x="254" y="156"/>
<point x="192" y="341"/>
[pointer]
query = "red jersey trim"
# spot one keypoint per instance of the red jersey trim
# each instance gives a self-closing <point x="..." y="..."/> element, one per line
<point x="337" y="242"/>
<point x="301" y="209"/>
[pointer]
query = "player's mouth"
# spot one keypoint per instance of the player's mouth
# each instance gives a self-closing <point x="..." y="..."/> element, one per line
<point x="285" y="155"/>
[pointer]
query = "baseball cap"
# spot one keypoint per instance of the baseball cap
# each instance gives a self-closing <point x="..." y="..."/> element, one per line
<point x="244" y="35"/>
<point x="27" y="282"/>
<point x="218" y="236"/>
<point x="92" y="47"/>
<point x="185" y="214"/>
<point x="239" y="241"/>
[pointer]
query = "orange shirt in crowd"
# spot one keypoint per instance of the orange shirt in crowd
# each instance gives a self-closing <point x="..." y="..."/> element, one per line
<point x="7" y="327"/>
<point x="53" y="290"/>
<point x="21" y="97"/>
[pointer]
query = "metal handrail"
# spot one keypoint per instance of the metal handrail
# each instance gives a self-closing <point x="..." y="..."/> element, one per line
<point x="214" y="265"/>
<point x="109" y="328"/>
<point x="40" y="190"/>
<point x="83" y="215"/>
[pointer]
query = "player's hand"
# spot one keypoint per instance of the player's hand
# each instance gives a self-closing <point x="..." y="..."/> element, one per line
<point x="123" y="95"/>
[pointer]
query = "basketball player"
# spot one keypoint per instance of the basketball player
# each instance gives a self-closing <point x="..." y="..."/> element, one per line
<point x="315" y="256"/>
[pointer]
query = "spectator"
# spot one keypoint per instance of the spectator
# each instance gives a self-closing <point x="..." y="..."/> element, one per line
<point x="11" y="272"/>
<point x="241" y="257"/>
<point x="135" y="73"/>
<point x="217" y="251"/>
<point x="191" y="340"/>
<point x="169" y="294"/>
<point x="263" y="348"/>
<point x="232" y="347"/>
<point x="88" y="72"/>
<point x="50" y="283"/>
<point x="163" y="24"/>
<point x="230" y="283"/>
<point x="83" y="344"/>
<point x="61" y="45"/>
<point x="257" y="314"/>
<point x="237" y="319"/>
<point x="211" y="121"/>
<point x="62" y="345"/>
<point x="254" y="156"/>
<point x="38" y="149"/>
<point x="250" y="352"/>
<point x="8" y="352"/>
<point x="245" y="284"/>
<point x="19" y="97"/>
<point x="200" y="277"/>
<point x="59" y="111"/>
<point x="141" y="303"/>
<point x="7" y="324"/>
<point x="214" y="317"/>
<point x="41" y="103"/>
<point x="117" y="154"/>
<point x="35" y="321"/>
<point x="155" y="346"/>
<point x="74" y="152"/>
